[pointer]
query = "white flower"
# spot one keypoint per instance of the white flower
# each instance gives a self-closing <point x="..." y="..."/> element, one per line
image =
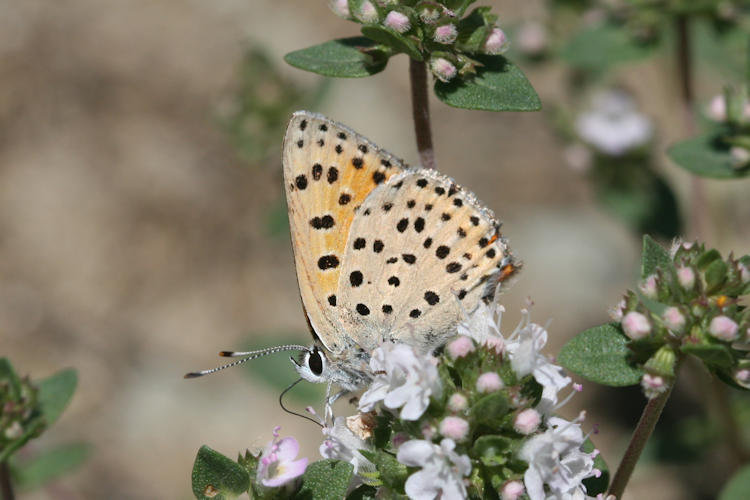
<point x="555" y="459"/>
<point x="442" y="469"/>
<point x="483" y="325"/>
<point x="342" y="444"/>
<point x="613" y="125"/>
<point x="404" y="380"/>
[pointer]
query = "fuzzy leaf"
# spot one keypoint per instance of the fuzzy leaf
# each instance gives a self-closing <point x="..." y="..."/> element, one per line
<point x="363" y="492"/>
<point x="706" y="156"/>
<point x="715" y="355"/>
<point x="51" y="464"/>
<point x="55" y="393"/>
<point x="490" y="449"/>
<point x="218" y="477"/>
<point x="738" y="485"/>
<point x="498" y="86"/>
<point x="490" y="408"/>
<point x="393" y="39"/>
<point x="341" y="58"/>
<point x="325" y="479"/>
<point x="600" y="354"/>
<point x="598" y="47"/>
<point x="391" y="472"/>
<point x="596" y="485"/>
<point x="653" y="256"/>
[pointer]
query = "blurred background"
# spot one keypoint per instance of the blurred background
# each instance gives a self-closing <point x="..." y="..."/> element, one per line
<point x="143" y="227"/>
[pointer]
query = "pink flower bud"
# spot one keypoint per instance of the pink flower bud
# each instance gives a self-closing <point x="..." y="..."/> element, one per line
<point x="495" y="43"/>
<point x="717" y="108"/>
<point x="636" y="325"/>
<point x="723" y="328"/>
<point x="686" y="278"/>
<point x="397" y="21"/>
<point x="742" y="376"/>
<point x="457" y="403"/>
<point x="367" y="12"/>
<point x="340" y="8"/>
<point x="616" y="312"/>
<point x="648" y="287"/>
<point x="674" y="319"/>
<point x="512" y="490"/>
<point x="740" y="156"/>
<point x="429" y="15"/>
<point x="527" y="421"/>
<point x="443" y="69"/>
<point x="489" y="382"/>
<point x="460" y="347"/>
<point x="454" y="427"/>
<point x="445" y="33"/>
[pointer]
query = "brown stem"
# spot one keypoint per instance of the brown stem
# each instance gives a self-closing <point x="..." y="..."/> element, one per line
<point x="699" y="222"/>
<point x="641" y="434"/>
<point x="6" y="488"/>
<point x="421" y="112"/>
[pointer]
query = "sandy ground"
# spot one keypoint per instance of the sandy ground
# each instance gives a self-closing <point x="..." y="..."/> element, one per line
<point x="132" y="240"/>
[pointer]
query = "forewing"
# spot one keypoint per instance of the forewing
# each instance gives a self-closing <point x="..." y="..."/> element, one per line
<point x="421" y="252"/>
<point x="329" y="170"/>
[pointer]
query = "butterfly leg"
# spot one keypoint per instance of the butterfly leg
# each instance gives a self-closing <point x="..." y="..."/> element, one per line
<point x="331" y="399"/>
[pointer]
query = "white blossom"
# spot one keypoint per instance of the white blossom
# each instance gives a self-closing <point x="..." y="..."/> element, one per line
<point x="405" y="379"/>
<point x="613" y="125"/>
<point x="442" y="470"/>
<point x="342" y="444"/>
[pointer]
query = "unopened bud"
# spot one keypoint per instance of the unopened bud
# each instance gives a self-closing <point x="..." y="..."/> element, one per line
<point x="527" y="421"/>
<point x="740" y="156"/>
<point x="367" y="12"/>
<point x="723" y="328"/>
<point x="489" y="382"/>
<point x="635" y="325"/>
<point x="429" y="15"/>
<point x="443" y="69"/>
<point x="674" y="319"/>
<point x="457" y="403"/>
<point x="397" y="21"/>
<point x="648" y="287"/>
<point x="512" y="490"/>
<point x="445" y="33"/>
<point x="717" y="108"/>
<point x="686" y="278"/>
<point x="496" y="42"/>
<point x="340" y="8"/>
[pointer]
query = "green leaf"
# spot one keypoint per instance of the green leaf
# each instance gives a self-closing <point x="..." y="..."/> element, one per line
<point x="55" y="393"/>
<point x="716" y="275"/>
<point x="8" y="373"/>
<point x="706" y="156"/>
<point x="353" y="57"/>
<point x="50" y="464"/>
<point x="325" y="479"/>
<point x="393" y="39"/>
<point x="654" y="256"/>
<point x="596" y="485"/>
<point x="490" y="408"/>
<point x="498" y="86"/>
<point x="599" y="47"/>
<point x="738" y="485"/>
<point x="363" y="492"/>
<point x="218" y="477"/>
<point x="391" y="472"/>
<point x="600" y="354"/>
<point x="490" y="449"/>
<point x="715" y="355"/>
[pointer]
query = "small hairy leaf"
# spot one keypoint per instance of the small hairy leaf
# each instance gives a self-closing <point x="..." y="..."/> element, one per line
<point x="706" y="156"/>
<point x="600" y="354"/>
<point x="51" y="464"/>
<point x="654" y="256"/>
<point x="218" y="477"/>
<point x="325" y="479"/>
<point x="353" y="57"/>
<point x="498" y="86"/>
<point x="55" y="393"/>
<point x="715" y="355"/>
<point x="490" y="408"/>
<point x="393" y="39"/>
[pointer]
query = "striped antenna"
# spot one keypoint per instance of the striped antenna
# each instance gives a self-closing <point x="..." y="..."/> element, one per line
<point x="249" y="355"/>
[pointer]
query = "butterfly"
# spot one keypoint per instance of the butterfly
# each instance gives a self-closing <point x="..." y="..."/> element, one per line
<point x="384" y="252"/>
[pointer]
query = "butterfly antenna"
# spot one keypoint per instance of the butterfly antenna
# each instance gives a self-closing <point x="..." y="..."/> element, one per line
<point x="281" y="403"/>
<point x="249" y="355"/>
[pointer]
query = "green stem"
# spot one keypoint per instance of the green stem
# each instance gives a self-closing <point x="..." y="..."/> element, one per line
<point x="6" y="488"/>
<point x="640" y="437"/>
<point x="421" y="112"/>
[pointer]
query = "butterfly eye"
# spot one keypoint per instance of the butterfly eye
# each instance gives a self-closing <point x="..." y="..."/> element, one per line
<point x="315" y="362"/>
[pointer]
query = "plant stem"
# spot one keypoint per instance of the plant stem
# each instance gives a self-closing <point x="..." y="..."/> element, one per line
<point x="6" y="488"/>
<point x="421" y="112"/>
<point x="640" y="436"/>
<point x="699" y="222"/>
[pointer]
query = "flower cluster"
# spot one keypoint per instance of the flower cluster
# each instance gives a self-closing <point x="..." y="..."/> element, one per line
<point x="731" y="110"/>
<point x="476" y="418"/>
<point x="690" y="305"/>
<point x="19" y="410"/>
<point x="434" y="31"/>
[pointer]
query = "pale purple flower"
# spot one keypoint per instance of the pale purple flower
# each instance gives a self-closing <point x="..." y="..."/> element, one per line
<point x="686" y="278"/>
<point x="653" y="385"/>
<point x="635" y="325"/>
<point x="455" y="428"/>
<point x="460" y="347"/>
<point x="723" y="328"/>
<point x="277" y="463"/>
<point x="527" y="421"/>
<point x="496" y="42"/>
<point x="442" y="469"/>
<point x="673" y="319"/>
<point x="342" y="444"/>
<point x="512" y="490"/>
<point x="443" y="69"/>
<point x="340" y="8"/>
<point x="397" y="21"/>
<point x="489" y="382"/>
<point x="404" y="379"/>
<point x="555" y="459"/>
<point x="445" y="33"/>
<point x="613" y="125"/>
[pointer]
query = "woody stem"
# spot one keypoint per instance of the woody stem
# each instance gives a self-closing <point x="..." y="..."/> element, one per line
<point x="421" y="112"/>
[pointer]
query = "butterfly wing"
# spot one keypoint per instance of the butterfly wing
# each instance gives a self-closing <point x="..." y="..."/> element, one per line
<point x="329" y="170"/>
<point x="421" y="251"/>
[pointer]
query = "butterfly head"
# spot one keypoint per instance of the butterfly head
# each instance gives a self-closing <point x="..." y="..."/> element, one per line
<point x="312" y="365"/>
<point x="348" y="369"/>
